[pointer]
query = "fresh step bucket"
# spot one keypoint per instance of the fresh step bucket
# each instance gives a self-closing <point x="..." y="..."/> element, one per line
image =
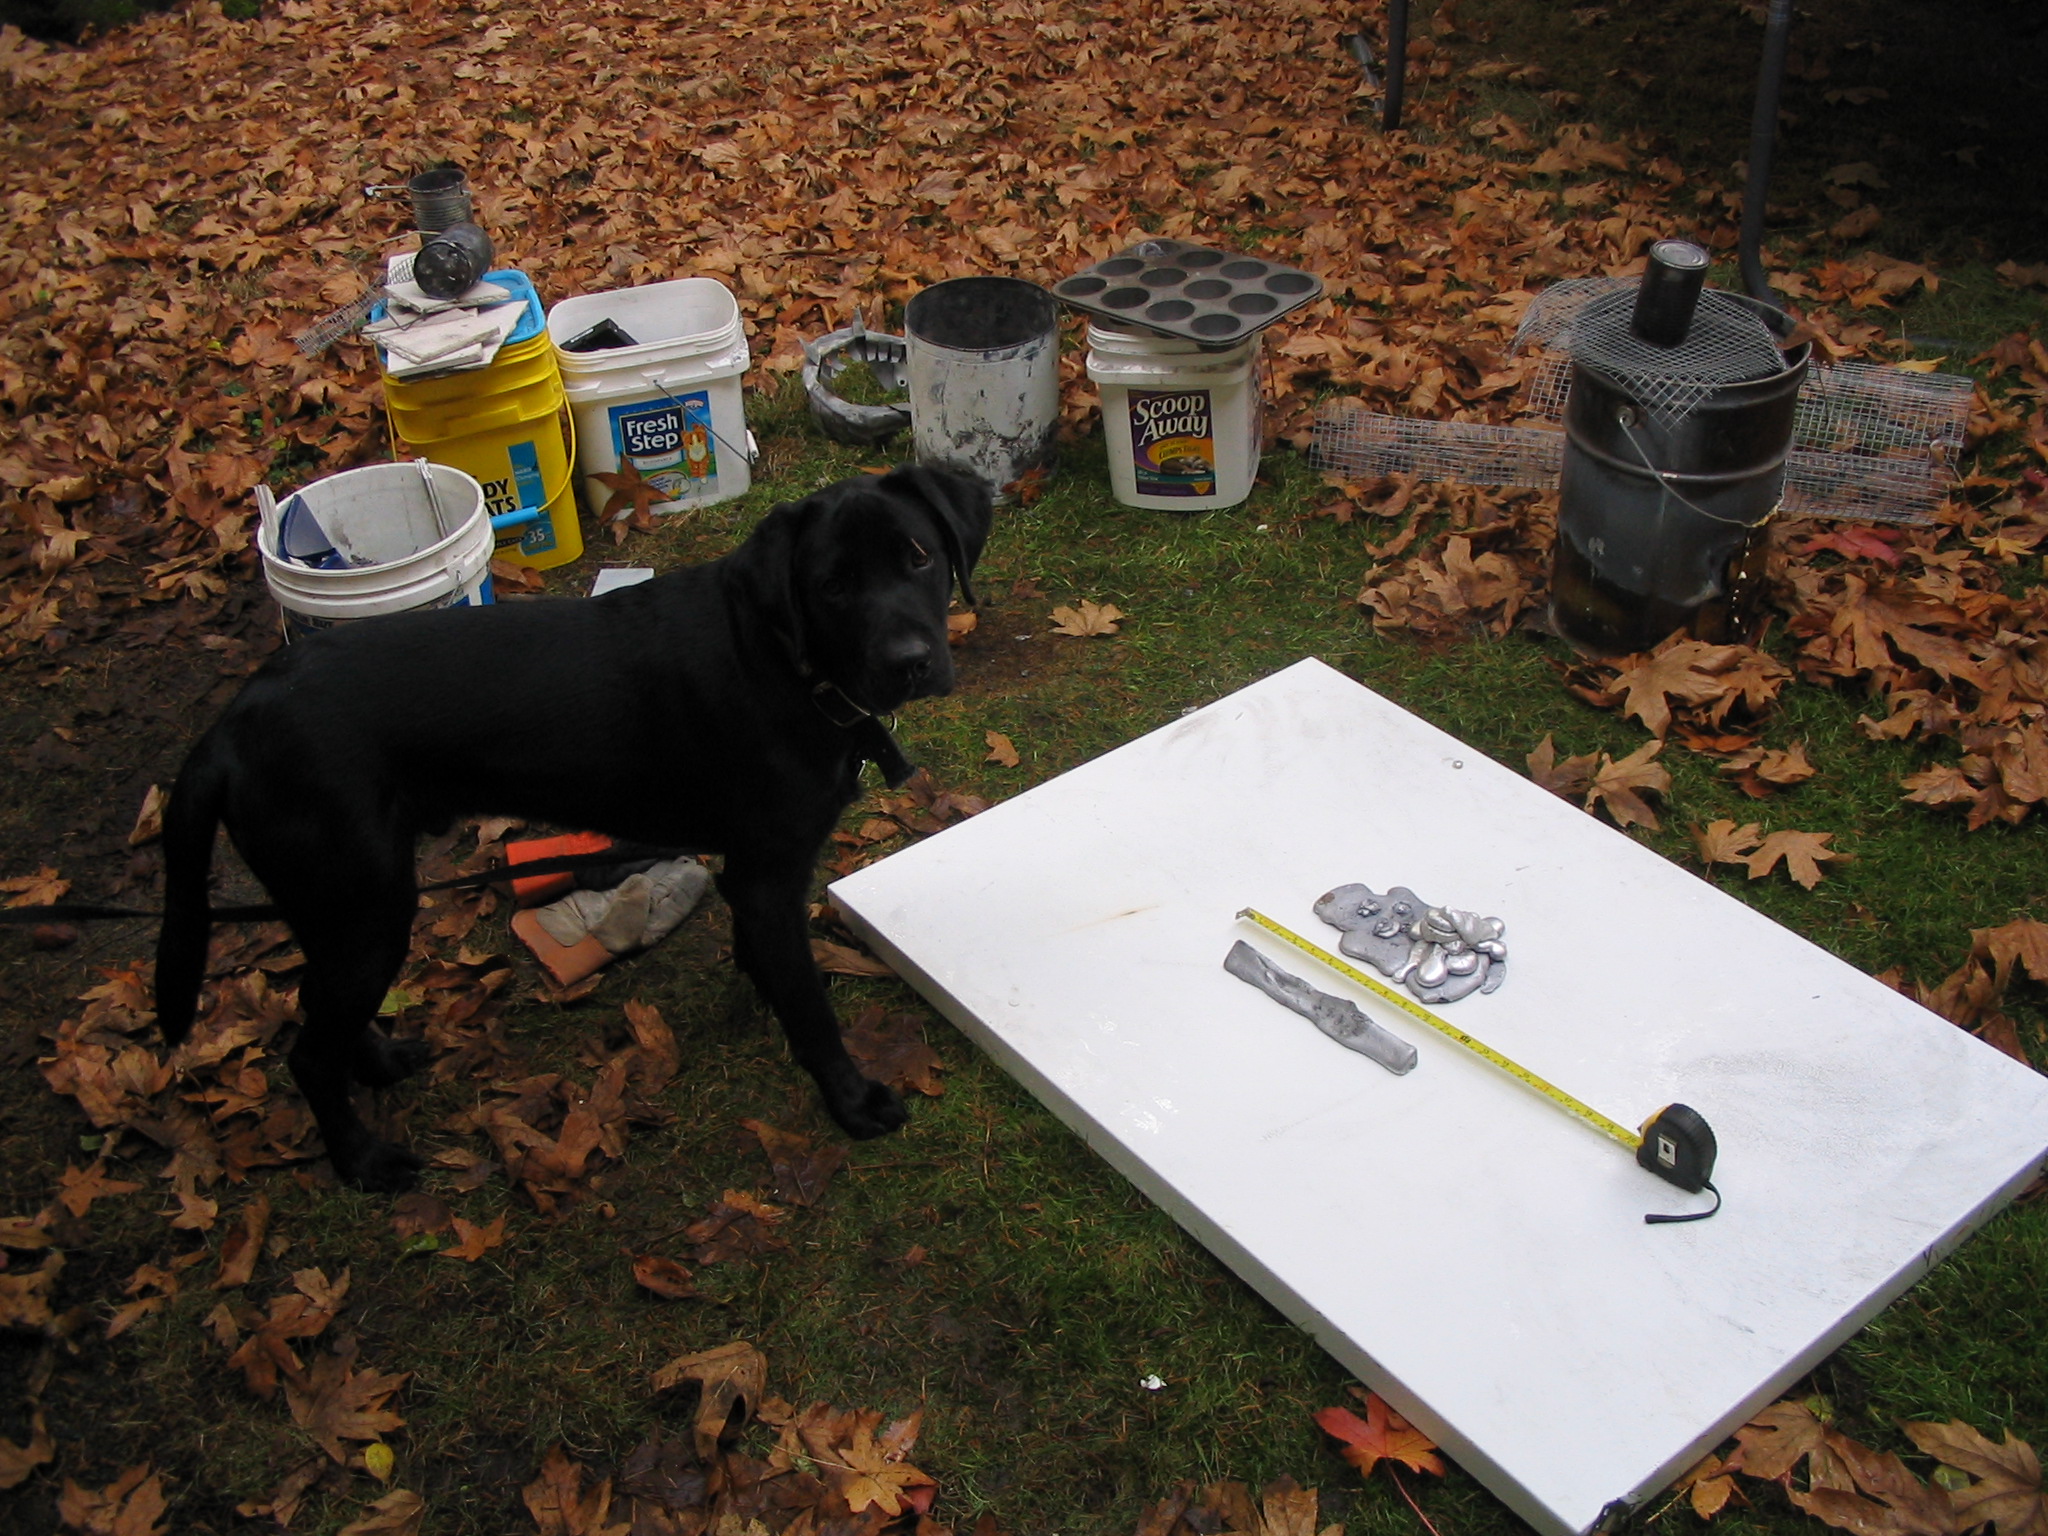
<point x="1183" y="423"/>
<point x="403" y="551"/>
<point x="668" y="403"/>
<point x="504" y="425"/>
<point x="984" y="363"/>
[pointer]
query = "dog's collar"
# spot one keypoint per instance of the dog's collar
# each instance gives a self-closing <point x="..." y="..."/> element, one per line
<point x="870" y="736"/>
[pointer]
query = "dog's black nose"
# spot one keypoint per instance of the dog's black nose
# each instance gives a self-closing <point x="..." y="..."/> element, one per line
<point x="909" y="658"/>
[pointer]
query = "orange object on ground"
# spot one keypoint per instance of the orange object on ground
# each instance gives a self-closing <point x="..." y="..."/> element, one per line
<point x="567" y="963"/>
<point x="534" y="890"/>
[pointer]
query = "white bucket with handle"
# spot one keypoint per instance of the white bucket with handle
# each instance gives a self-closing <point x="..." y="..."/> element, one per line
<point x="653" y="379"/>
<point x="397" y="537"/>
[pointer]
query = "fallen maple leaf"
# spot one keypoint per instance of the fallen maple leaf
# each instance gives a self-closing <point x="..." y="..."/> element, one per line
<point x="1685" y="670"/>
<point x="1620" y="786"/>
<point x="1802" y="853"/>
<point x="959" y="626"/>
<point x="1723" y="842"/>
<point x="663" y="1276"/>
<point x="132" y="1505"/>
<point x="333" y="1402"/>
<point x="891" y="1049"/>
<point x="1088" y="620"/>
<point x="560" y="1506"/>
<point x="1709" y="1485"/>
<point x="19" y="1462"/>
<point x="149" y="821"/>
<point x="732" y="1379"/>
<point x="1382" y="1435"/>
<point x="244" y="1245"/>
<point x="283" y="1505"/>
<point x="1759" y="771"/>
<point x="1898" y="1503"/>
<point x="799" y="1169"/>
<point x="1000" y="749"/>
<point x="37" y="890"/>
<point x="1568" y="778"/>
<point x="632" y="497"/>
<point x="398" y="1513"/>
<point x="25" y="1296"/>
<point x="2007" y="1489"/>
<point x="472" y="1242"/>
<point x="737" y="1226"/>
<point x="78" y="1189"/>
<point x="842" y="960"/>
<point x="2022" y="943"/>
<point x="1772" y="1443"/>
<point x="878" y="1480"/>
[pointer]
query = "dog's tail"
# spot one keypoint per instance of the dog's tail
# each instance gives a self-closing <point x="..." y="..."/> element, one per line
<point x="190" y="821"/>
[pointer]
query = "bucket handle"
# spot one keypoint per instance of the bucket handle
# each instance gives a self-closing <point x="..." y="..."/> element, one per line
<point x="742" y="453"/>
<point x="266" y="515"/>
<point x="504" y="522"/>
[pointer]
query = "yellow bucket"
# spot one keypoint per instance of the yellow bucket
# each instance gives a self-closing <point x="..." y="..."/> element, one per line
<point x="509" y="426"/>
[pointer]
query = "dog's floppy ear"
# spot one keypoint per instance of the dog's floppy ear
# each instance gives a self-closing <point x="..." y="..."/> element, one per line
<point x="764" y="568"/>
<point x="964" y="509"/>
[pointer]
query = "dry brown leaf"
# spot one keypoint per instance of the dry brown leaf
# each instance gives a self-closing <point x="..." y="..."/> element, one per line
<point x="1770" y="1445"/>
<point x="243" y="1246"/>
<point x="1760" y="771"/>
<point x="737" y="1226"/>
<point x="732" y="1378"/>
<point x="149" y="821"/>
<point x="334" y="1403"/>
<point x="1897" y="1502"/>
<point x="891" y="1048"/>
<point x="472" y="1242"/>
<point x="1723" y="842"/>
<point x="1090" y="619"/>
<point x="1620" y="786"/>
<point x="2022" y="943"/>
<point x="659" y="1054"/>
<point x="398" y="1513"/>
<point x="960" y="625"/>
<point x="663" y="1276"/>
<point x="879" y="1479"/>
<point x="1000" y="749"/>
<point x="37" y="890"/>
<point x="19" y="1462"/>
<point x="2007" y="1486"/>
<point x="79" y="1188"/>
<point x="1803" y="853"/>
<point x="283" y="1505"/>
<point x="1568" y="778"/>
<point x="561" y="1507"/>
<point x="799" y="1169"/>
<point x="25" y="1295"/>
<point x="842" y="960"/>
<point x="132" y="1505"/>
<point x="1709" y="1485"/>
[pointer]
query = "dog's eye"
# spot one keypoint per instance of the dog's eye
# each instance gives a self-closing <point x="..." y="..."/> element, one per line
<point x="919" y="559"/>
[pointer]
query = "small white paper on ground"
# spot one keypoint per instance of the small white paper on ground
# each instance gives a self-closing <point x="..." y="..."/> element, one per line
<point x="613" y="577"/>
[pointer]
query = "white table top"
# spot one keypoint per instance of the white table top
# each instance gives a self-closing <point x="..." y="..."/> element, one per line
<point x="1470" y="1251"/>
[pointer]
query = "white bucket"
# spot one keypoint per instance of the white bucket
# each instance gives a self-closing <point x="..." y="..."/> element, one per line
<point x="670" y="404"/>
<point x="382" y="515"/>
<point x="1183" y="424"/>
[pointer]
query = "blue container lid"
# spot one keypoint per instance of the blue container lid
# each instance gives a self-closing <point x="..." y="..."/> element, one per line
<point x="531" y="324"/>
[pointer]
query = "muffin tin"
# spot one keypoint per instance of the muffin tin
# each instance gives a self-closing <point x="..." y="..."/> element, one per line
<point x="1189" y="291"/>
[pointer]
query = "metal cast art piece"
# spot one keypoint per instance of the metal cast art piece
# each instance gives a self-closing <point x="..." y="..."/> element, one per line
<point x="1439" y="953"/>
<point x="1336" y="1017"/>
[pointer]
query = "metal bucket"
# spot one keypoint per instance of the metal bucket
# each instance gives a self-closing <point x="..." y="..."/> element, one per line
<point x="1660" y="521"/>
<point x="984" y="363"/>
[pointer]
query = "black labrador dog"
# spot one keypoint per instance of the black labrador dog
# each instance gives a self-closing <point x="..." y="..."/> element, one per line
<point x="726" y="707"/>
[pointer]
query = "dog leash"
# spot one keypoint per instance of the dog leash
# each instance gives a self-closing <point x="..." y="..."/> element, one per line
<point x="560" y="864"/>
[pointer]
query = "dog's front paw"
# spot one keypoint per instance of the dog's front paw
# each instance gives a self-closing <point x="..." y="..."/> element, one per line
<point x="872" y="1109"/>
<point x="381" y="1168"/>
<point x="380" y="1061"/>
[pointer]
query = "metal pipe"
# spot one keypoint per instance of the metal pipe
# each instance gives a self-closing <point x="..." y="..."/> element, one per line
<point x="1397" y="63"/>
<point x="1763" y="131"/>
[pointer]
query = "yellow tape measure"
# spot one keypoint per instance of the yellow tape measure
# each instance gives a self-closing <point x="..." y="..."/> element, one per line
<point x="1676" y="1143"/>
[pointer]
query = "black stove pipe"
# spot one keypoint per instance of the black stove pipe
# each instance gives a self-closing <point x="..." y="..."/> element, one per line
<point x="1763" y="132"/>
